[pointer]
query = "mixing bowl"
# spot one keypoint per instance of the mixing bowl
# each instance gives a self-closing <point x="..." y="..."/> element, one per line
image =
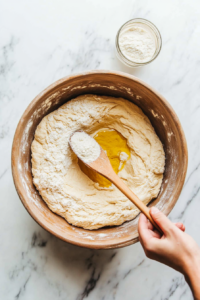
<point x="117" y="84"/>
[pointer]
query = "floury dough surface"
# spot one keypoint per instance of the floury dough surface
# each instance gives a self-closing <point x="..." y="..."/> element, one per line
<point x="67" y="190"/>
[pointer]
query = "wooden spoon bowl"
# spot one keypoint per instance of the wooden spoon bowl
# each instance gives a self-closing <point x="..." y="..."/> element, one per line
<point x="117" y="84"/>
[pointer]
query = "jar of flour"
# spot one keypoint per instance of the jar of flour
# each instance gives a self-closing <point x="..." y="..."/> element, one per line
<point x="138" y="42"/>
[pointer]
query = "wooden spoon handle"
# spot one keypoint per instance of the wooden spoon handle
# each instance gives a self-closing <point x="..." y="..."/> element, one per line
<point x="131" y="196"/>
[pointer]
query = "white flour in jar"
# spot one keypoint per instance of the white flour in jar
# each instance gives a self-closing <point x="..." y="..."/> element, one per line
<point x="137" y="43"/>
<point x="85" y="147"/>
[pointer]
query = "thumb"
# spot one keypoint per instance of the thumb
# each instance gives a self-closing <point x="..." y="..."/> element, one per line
<point x="163" y="222"/>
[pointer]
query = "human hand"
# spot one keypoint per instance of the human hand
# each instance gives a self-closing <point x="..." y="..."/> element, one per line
<point x="175" y="248"/>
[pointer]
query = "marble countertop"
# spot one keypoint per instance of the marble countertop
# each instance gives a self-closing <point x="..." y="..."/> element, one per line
<point x="42" y="41"/>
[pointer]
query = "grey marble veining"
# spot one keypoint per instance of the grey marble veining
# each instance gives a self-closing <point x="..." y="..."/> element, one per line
<point x="42" y="41"/>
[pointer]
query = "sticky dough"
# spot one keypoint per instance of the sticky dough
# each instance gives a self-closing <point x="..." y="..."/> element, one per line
<point x="67" y="190"/>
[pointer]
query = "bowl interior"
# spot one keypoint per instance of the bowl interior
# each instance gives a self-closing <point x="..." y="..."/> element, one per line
<point x="163" y="119"/>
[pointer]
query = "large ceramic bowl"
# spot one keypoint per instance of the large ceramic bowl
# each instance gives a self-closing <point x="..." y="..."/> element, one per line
<point x="117" y="84"/>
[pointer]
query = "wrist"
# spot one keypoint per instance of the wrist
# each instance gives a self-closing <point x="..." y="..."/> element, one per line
<point x="192" y="274"/>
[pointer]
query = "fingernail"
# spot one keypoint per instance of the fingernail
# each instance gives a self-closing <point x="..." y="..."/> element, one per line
<point x="154" y="210"/>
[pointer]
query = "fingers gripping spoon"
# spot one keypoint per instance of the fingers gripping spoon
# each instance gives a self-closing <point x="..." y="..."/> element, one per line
<point x="94" y="157"/>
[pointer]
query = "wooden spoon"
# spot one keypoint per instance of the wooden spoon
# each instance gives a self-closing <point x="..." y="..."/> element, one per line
<point x="103" y="166"/>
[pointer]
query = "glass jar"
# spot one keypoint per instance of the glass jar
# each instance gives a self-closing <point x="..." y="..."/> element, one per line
<point x="150" y="27"/>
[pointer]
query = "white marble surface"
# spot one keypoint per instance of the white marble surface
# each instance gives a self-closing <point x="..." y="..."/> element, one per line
<point x="42" y="41"/>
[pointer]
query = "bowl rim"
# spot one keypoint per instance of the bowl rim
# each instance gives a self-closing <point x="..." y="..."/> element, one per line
<point x="16" y="174"/>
